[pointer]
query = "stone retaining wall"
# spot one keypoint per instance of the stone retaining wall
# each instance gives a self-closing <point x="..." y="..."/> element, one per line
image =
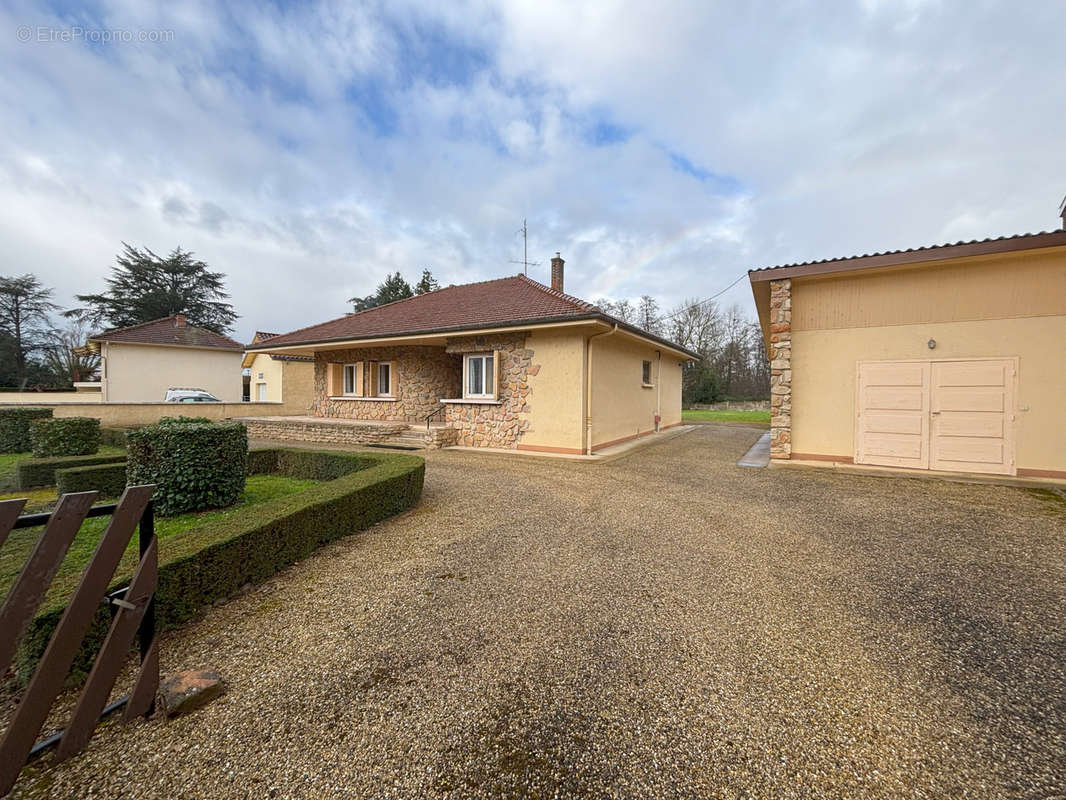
<point x="321" y="432"/>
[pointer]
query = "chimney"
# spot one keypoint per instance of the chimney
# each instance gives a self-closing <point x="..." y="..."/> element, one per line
<point x="557" y="273"/>
<point x="180" y="321"/>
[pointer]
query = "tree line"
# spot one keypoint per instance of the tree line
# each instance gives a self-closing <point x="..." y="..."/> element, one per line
<point x="733" y="364"/>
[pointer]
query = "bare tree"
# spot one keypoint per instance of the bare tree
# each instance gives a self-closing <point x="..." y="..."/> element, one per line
<point x="648" y="315"/>
<point x="65" y="355"/>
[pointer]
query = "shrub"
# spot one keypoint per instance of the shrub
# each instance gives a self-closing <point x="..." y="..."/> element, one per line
<point x="33" y="473"/>
<point x="214" y="560"/>
<point x="15" y="427"/>
<point x="184" y="420"/>
<point x="66" y="436"/>
<point x="194" y="466"/>
<point x="108" y="479"/>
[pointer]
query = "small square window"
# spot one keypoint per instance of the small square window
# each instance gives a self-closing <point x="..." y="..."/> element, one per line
<point x="480" y="375"/>
<point x="645" y="373"/>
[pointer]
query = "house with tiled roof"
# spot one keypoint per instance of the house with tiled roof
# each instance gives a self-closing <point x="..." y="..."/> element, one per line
<point x="278" y="377"/>
<point x="507" y="363"/>
<point x="942" y="359"/>
<point x="139" y="363"/>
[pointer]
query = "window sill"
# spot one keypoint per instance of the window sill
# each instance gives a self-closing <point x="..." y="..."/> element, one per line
<point x="647" y="386"/>
<point x="364" y="399"/>
<point x="481" y="401"/>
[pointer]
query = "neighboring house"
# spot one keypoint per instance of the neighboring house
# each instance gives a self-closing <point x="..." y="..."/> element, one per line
<point x="139" y="363"/>
<point x="279" y="378"/>
<point x="506" y="363"/>
<point x="948" y="358"/>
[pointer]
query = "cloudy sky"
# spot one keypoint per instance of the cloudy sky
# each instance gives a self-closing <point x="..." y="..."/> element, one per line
<point x="663" y="147"/>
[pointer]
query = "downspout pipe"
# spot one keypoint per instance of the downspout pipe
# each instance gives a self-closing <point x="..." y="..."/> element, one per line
<point x="658" y="390"/>
<point x="588" y="388"/>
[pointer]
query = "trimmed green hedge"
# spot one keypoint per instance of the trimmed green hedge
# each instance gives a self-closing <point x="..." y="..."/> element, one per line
<point x="108" y="479"/>
<point x="65" y="436"/>
<point x="213" y="561"/>
<point x="33" y="473"/>
<point x="15" y="427"/>
<point x="184" y="420"/>
<point x="196" y="466"/>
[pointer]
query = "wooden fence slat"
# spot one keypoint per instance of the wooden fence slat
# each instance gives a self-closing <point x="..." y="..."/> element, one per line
<point x="142" y="698"/>
<point x="59" y="655"/>
<point x="110" y="658"/>
<point x="39" y="570"/>
<point x="9" y="514"/>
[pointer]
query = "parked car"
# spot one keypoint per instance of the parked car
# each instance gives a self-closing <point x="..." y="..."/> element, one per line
<point x="190" y="396"/>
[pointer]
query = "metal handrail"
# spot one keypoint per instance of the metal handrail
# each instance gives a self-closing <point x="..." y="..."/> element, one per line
<point x="434" y="413"/>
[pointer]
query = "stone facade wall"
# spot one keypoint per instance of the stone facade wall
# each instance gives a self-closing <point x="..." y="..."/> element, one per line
<point x="500" y="424"/>
<point x="781" y="368"/>
<point x="441" y="437"/>
<point x="421" y="378"/>
<point x="322" y="432"/>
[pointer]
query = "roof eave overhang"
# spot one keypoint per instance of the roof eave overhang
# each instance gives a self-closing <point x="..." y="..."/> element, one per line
<point x="214" y="348"/>
<point x="544" y="322"/>
<point x="1036" y="241"/>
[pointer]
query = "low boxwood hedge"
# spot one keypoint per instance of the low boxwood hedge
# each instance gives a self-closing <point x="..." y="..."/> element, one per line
<point x="65" y="436"/>
<point x="33" y="473"/>
<point x="196" y="466"/>
<point x="108" y="479"/>
<point x="15" y="427"/>
<point x="213" y="561"/>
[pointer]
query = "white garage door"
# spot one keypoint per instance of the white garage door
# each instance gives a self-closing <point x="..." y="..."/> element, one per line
<point x="955" y="416"/>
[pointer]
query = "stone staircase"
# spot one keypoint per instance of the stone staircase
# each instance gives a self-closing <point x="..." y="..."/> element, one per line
<point x="416" y="437"/>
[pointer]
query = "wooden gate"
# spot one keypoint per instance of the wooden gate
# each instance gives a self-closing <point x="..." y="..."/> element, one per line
<point x="135" y="615"/>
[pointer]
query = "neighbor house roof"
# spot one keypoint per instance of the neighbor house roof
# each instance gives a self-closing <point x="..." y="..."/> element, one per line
<point x="503" y="302"/>
<point x="890" y="258"/>
<point x="172" y="331"/>
<point x="262" y="336"/>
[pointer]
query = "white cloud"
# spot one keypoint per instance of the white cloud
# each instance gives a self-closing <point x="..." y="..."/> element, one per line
<point x="307" y="152"/>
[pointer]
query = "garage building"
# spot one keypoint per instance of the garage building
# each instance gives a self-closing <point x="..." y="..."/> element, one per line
<point x="949" y="358"/>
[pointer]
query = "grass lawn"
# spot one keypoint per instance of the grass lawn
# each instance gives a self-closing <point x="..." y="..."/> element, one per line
<point x="700" y="415"/>
<point x="258" y="489"/>
<point x="9" y="460"/>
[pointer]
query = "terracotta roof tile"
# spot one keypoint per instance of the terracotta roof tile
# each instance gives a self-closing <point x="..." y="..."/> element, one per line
<point x="165" y="332"/>
<point x="504" y="301"/>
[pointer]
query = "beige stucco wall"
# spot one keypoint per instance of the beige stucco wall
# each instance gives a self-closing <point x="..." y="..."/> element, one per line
<point x="556" y="391"/>
<point x="36" y="398"/>
<point x="621" y="407"/>
<point x="1018" y="310"/>
<point x="298" y="386"/>
<point x="127" y="415"/>
<point x="135" y="373"/>
<point x="272" y="375"/>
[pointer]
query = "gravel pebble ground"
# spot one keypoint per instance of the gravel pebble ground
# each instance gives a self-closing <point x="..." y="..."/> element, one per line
<point x="666" y="625"/>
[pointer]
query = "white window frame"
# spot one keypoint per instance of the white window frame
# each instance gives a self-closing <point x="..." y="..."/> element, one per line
<point x="392" y="379"/>
<point x="466" y="372"/>
<point x="344" y="380"/>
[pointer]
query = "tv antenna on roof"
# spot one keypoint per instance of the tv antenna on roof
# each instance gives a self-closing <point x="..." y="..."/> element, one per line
<point x="525" y="262"/>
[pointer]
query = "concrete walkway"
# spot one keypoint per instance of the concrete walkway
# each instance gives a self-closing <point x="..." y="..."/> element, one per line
<point x="758" y="455"/>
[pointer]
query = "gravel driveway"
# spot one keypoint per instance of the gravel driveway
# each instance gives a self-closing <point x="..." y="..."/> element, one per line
<point x="666" y="625"/>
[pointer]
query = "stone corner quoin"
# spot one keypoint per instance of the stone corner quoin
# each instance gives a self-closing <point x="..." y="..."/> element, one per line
<point x="781" y="368"/>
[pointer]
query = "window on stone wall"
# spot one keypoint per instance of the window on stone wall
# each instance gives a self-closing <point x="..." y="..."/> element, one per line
<point x="384" y="379"/>
<point x="479" y="381"/>
<point x="349" y="379"/>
